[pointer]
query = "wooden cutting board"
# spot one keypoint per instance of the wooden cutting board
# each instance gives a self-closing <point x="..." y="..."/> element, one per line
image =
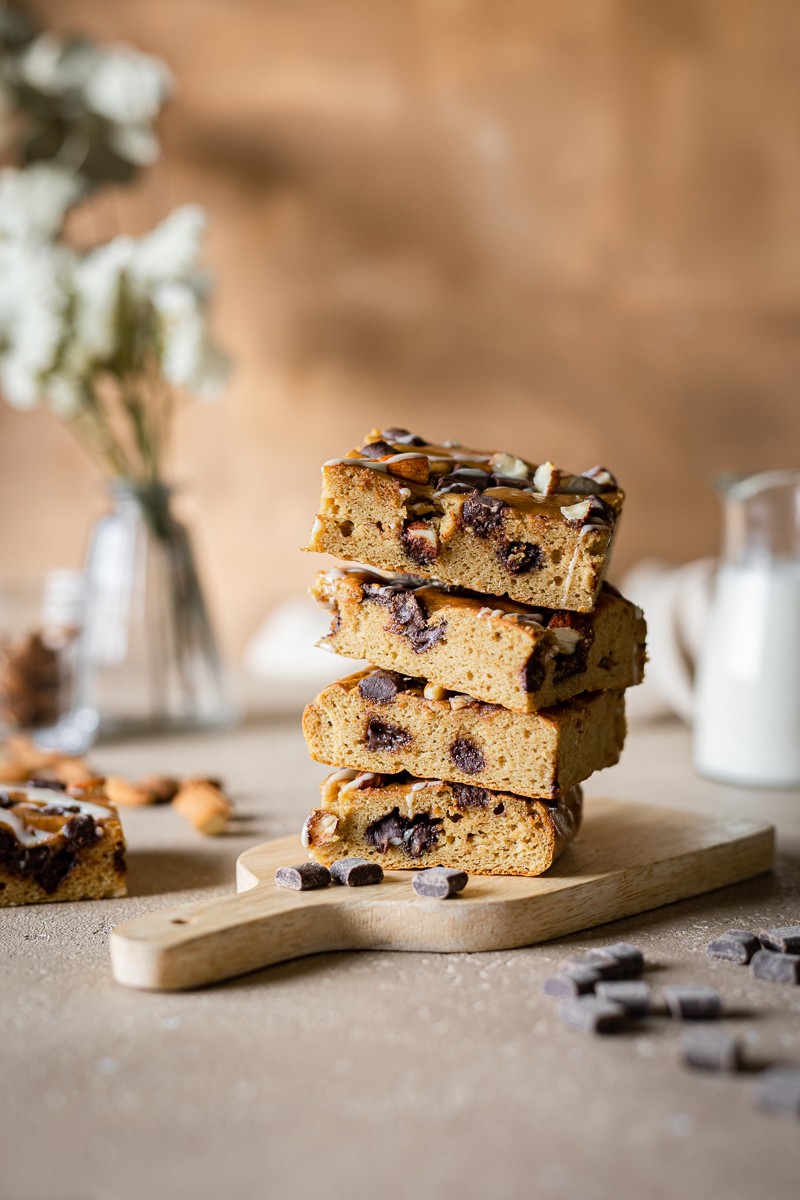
<point x="628" y="858"/>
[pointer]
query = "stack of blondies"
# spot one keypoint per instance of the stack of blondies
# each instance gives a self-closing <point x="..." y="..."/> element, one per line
<point x="500" y="656"/>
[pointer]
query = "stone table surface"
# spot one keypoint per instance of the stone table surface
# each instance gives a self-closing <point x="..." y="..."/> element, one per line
<point x="379" y="1073"/>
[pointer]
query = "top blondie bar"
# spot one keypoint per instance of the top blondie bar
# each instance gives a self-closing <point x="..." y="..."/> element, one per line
<point x="483" y="520"/>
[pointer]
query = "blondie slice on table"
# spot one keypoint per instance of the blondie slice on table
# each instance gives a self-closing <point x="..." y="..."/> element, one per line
<point x="59" y="845"/>
<point x="407" y="823"/>
<point x="497" y="650"/>
<point x="491" y="522"/>
<point x="386" y="722"/>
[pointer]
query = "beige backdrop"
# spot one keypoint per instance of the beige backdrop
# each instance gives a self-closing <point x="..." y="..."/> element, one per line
<point x="564" y="228"/>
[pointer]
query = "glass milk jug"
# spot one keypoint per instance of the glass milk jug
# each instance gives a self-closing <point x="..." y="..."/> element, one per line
<point x="747" y="699"/>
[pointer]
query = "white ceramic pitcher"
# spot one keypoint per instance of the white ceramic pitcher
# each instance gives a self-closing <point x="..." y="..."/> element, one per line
<point x="747" y="702"/>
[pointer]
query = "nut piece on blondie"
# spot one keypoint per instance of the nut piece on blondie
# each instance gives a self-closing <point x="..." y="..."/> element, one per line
<point x="406" y="823"/>
<point x="383" y="721"/>
<point x="491" y="522"/>
<point x="59" y="845"/>
<point x="497" y="650"/>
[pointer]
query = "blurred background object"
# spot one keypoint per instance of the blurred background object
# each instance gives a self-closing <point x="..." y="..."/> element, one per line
<point x="565" y="229"/>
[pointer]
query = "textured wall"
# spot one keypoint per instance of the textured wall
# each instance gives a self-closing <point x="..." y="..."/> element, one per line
<point x="564" y="227"/>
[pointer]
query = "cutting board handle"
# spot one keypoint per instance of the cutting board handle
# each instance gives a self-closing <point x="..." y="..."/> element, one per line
<point x="196" y="944"/>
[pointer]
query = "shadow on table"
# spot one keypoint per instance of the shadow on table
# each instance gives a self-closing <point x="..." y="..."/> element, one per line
<point x="153" y="872"/>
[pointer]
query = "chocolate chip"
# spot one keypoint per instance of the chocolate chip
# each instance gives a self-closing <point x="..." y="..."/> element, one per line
<point x="382" y="735"/>
<point x="735" y="945"/>
<point x="41" y="781"/>
<point x="784" y="938"/>
<point x="776" y="967"/>
<point x="356" y="872"/>
<point x="467" y="795"/>
<point x="711" y="1050"/>
<point x="53" y="868"/>
<point x="694" y="1002"/>
<point x="626" y="960"/>
<point x="439" y="883"/>
<point x="409" y="617"/>
<point x="779" y="1090"/>
<point x="416" y="834"/>
<point x="499" y="809"/>
<point x="386" y="831"/>
<point x="423" y="834"/>
<point x="81" y="831"/>
<point x="120" y="864"/>
<point x="303" y="878"/>
<point x="634" y="995"/>
<point x="403" y="436"/>
<point x="534" y="672"/>
<point x="592" y="1015"/>
<point x="573" y="981"/>
<point x="482" y="515"/>
<point x="467" y="756"/>
<point x="379" y="686"/>
<point x="379" y="449"/>
<point x="520" y="557"/>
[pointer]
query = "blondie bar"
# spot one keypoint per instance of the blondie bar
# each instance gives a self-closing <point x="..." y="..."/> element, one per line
<point x="402" y="822"/>
<point x="56" y="845"/>
<point x="496" y="650"/>
<point x="386" y="722"/>
<point x="491" y="522"/>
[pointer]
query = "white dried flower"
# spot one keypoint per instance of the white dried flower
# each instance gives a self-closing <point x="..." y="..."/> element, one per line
<point x="126" y="86"/>
<point x="34" y="202"/>
<point x="172" y="251"/>
<point x="54" y="65"/>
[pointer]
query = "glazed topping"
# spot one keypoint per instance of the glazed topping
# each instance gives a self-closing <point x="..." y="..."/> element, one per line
<point x="452" y="469"/>
<point x="36" y="815"/>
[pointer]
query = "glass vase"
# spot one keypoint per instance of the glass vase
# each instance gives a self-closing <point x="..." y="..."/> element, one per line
<point x="150" y="661"/>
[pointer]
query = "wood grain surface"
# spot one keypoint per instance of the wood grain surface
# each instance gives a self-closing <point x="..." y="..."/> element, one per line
<point x="628" y="859"/>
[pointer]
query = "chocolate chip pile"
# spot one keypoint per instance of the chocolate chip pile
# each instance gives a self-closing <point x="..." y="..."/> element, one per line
<point x="602" y="992"/>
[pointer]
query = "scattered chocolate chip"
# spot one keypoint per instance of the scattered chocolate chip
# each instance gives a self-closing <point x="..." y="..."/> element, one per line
<point x="692" y="1002"/>
<point x="624" y="959"/>
<point x="42" y="781"/>
<point x="382" y="735"/>
<point x="592" y="1015"/>
<point x="572" y="981"/>
<point x="356" y="872"/>
<point x="379" y="686"/>
<point x="784" y="938"/>
<point x="303" y="878"/>
<point x="775" y="966"/>
<point x="735" y="945"/>
<point x="467" y="756"/>
<point x="379" y="449"/>
<point x="520" y="557"/>
<point x="467" y="795"/>
<point x="711" y="1050"/>
<point x="438" y="883"/>
<point x="482" y="515"/>
<point x="635" y="996"/>
<point x="778" y="1090"/>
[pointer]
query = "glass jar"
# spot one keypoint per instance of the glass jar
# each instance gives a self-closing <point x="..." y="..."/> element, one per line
<point x="150" y="661"/>
<point x="40" y="623"/>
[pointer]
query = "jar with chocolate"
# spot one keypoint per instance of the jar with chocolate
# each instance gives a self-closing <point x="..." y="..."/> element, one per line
<point x="40" y="622"/>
